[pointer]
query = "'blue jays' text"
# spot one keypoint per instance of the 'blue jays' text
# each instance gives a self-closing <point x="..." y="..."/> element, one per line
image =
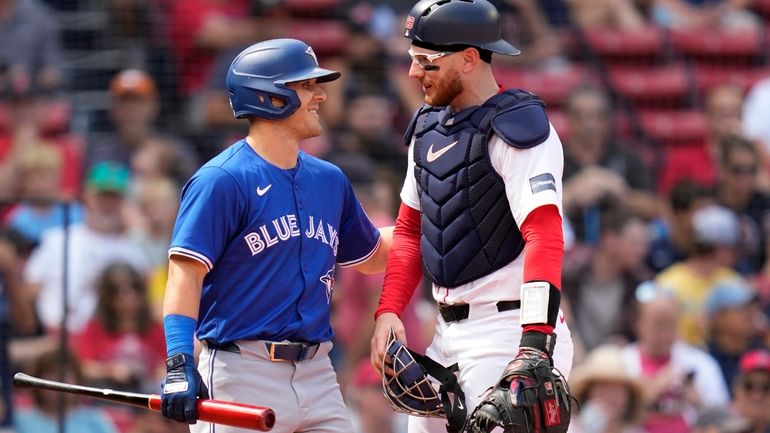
<point x="286" y="227"/>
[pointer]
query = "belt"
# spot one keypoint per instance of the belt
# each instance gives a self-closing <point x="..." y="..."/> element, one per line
<point x="276" y="351"/>
<point x="457" y="312"/>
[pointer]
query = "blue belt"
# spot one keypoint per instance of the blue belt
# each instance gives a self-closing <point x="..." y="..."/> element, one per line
<point x="276" y="351"/>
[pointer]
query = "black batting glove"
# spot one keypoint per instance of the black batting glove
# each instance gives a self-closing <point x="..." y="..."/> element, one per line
<point x="182" y="387"/>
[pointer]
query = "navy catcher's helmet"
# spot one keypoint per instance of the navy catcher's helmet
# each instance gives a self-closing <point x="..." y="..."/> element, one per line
<point x="261" y="72"/>
<point x="410" y="390"/>
<point x="437" y="24"/>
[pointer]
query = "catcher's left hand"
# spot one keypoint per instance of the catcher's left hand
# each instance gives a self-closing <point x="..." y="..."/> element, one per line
<point x="530" y="397"/>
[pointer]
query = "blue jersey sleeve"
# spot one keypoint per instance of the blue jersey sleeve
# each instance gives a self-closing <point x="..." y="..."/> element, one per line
<point x="209" y="215"/>
<point x="359" y="238"/>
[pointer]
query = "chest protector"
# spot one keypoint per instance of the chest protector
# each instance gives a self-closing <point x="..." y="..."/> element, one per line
<point x="468" y="230"/>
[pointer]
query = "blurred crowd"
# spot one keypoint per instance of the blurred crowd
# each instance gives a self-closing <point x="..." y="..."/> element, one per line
<point x="108" y="106"/>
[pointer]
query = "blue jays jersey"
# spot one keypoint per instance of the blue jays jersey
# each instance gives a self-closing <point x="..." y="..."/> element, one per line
<point x="270" y="239"/>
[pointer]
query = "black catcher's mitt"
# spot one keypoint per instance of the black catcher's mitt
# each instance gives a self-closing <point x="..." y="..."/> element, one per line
<point x="530" y="397"/>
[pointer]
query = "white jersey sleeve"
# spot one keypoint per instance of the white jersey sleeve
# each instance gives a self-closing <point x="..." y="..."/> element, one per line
<point x="532" y="176"/>
<point x="409" y="194"/>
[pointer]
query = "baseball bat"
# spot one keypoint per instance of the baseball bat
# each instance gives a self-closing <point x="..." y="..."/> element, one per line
<point x="214" y="411"/>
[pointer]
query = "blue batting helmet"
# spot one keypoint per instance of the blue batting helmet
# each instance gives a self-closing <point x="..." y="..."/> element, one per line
<point x="261" y="72"/>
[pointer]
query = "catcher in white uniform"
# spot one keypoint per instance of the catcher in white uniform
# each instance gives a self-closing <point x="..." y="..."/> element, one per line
<point x="481" y="212"/>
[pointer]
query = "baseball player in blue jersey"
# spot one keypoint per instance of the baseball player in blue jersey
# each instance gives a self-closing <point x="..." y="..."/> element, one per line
<point x="260" y="229"/>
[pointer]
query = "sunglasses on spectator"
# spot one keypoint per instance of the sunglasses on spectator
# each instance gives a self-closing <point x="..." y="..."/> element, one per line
<point x="750" y="386"/>
<point x="742" y="170"/>
<point x="425" y="60"/>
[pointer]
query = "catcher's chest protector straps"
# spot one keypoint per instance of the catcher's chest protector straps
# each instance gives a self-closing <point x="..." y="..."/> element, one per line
<point x="452" y="396"/>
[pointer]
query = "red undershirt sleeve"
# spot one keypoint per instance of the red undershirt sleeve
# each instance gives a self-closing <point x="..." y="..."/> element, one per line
<point x="542" y="232"/>
<point x="404" y="268"/>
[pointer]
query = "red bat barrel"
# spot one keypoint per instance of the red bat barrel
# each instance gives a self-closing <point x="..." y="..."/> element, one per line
<point x="232" y="414"/>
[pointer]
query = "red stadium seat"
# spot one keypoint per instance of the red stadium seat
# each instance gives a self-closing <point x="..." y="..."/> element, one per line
<point x="674" y="127"/>
<point x="559" y="121"/>
<point x="552" y="86"/>
<point x="325" y="36"/>
<point x="719" y="46"/>
<point x="624" y="46"/>
<point x="708" y="77"/>
<point x="652" y="87"/>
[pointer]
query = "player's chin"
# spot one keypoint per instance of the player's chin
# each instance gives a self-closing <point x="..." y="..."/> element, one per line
<point x="314" y="130"/>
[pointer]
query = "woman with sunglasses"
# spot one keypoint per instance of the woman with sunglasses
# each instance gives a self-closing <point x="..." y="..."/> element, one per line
<point x="483" y="185"/>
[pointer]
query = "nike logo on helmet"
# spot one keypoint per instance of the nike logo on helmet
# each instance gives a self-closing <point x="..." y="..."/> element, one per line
<point x="263" y="191"/>
<point x="432" y="156"/>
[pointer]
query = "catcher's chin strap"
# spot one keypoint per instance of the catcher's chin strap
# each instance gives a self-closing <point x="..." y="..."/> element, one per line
<point x="452" y="396"/>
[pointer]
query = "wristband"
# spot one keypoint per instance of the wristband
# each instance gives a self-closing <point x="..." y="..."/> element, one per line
<point x="539" y="303"/>
<point x="536" y="340"/>
<point x="179" y="334"/>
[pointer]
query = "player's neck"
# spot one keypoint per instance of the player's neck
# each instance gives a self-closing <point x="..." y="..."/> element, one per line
<point x="276" y="149"/>
<point x="477" y="91"/>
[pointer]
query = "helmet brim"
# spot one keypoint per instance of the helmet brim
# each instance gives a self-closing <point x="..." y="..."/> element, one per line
<point x="320" y="74"/>
<point x="502" y="47"/>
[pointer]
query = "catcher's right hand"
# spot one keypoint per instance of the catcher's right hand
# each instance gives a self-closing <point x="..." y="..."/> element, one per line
<point x="530" y="397"/>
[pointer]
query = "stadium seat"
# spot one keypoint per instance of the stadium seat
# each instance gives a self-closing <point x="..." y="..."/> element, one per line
<point x="665" y="86"/>
<point x="674" y="127"/>
<point x="708" y="77"/>
<point x="726" y="47"/>
<point x="325" y="36"/>
<point x="559" y="121"/>
<point x="552" y="86"/>
<point x="625" y="46"/>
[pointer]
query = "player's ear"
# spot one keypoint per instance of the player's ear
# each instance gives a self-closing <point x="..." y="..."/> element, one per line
<point x="470" y="58"/>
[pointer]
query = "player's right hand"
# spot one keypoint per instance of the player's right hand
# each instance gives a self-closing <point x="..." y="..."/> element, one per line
<point x="382" y="326"/>
<point x="181" y="389"/>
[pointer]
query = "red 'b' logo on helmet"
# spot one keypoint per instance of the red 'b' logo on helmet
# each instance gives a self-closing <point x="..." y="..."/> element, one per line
<point x="409" y="22"/>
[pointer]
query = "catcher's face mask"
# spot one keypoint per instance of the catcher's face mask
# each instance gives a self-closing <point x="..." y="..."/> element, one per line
<point x="410" y="390"/>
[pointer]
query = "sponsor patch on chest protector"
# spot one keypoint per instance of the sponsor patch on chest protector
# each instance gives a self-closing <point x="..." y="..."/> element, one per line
<point x="542" y="182"/>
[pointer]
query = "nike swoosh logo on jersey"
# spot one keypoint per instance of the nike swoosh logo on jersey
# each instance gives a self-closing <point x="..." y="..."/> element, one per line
<point x="432" y="156"/>
<point x="263" y="191"/>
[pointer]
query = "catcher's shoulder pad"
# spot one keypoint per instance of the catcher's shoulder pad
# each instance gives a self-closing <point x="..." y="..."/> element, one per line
<point x="410" y="129"/>
<point x="523" y="124"/>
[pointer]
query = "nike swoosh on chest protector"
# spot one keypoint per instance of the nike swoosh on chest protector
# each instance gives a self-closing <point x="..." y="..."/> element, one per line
<point x="432" y="156"/>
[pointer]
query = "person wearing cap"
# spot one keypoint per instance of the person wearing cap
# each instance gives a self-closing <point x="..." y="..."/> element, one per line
<point x="483" y="185"/>
<point x="261" y="230"/>
<point x="734" y="323"/>
<point x="751" y="389"/>
<point x="716" y="233"/>
<point x="133" y="114"/>
<point x="93" y="244"/>
<point x="610" y="399"/>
